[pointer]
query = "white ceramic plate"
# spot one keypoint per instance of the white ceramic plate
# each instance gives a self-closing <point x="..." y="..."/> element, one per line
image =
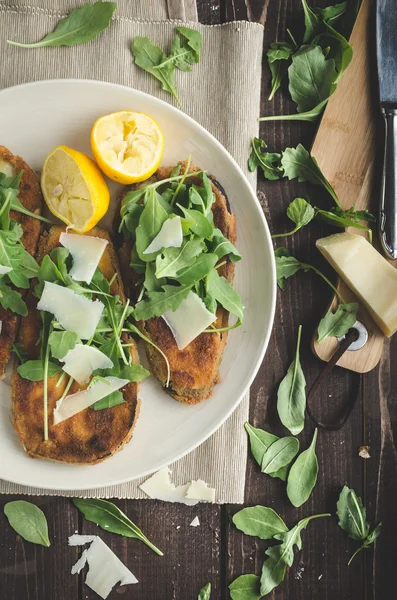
<point x="36" y="117"/>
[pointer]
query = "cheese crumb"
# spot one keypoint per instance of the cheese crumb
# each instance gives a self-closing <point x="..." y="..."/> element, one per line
<point x="195" y="522"/>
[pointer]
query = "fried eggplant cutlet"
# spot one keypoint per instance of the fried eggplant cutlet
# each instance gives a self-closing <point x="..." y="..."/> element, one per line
<point x="194" y="370"/>
<point x="89" y="436"/>
<point x="31" y="198"/>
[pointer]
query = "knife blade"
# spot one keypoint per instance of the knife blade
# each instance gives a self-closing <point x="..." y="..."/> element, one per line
<point x="386" y="47"/>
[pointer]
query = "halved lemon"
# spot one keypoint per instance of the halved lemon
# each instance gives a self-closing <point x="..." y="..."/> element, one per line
<point x="74" y="188"/>
<point x="127" y="146"/>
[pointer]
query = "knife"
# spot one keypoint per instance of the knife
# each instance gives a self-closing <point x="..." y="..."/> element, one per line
<point x="386" y="46"/>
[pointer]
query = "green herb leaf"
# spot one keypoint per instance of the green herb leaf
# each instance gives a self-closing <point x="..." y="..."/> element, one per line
<point x="297" y="163"/>
<point x="11" y="299"/>
<point x="199" y="224"/>
<point x="61" y="342"/>
<point x="345" y="218"/>
<point x="259" y="521"/>
<point x="172" y="260"/>
<point x="82" y="25"/>
<point x="186" y="48"/>
<point x="245" y="587"/>
<point x="268" y="161"/>
<point x="14" y="255"/>
<point x="260" y="441"/>
<point x="28" y="521"/>
<point x="310" y="115"/>
<point x="330" y="14"/>
<point x="338" y="48"/>
<point x="281" y="556"/>
<point x="279" y="59"/>
<point x="201" y="267"/>
<point x="112" y="399"/>
<point x="339" y="322"/>
<point x="301" y="213"/>
<point x="205" y="592"/>
<point x="291" y="396"/>
<point x="33" y="370"/>
<point x="221" y="246"/>
<point x="311" y="78"/>
<point x="150" y="223"/>
<point x="280" y="454"/>
<point x="303" y="475"/>
<point x="159" y="302"/>
<point x="220" y="289"/>
<point x="152" y="59"/>
<point x="110" y="518"/>
<point x="312" y="23"/>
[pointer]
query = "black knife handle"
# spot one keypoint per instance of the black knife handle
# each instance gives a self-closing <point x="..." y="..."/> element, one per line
<point x="388" y="203"/>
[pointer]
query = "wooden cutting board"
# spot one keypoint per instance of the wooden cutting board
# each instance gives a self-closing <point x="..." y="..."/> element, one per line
<point x="347" y="149"/>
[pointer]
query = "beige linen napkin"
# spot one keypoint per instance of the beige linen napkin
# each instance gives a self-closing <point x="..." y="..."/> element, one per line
<point x="222" y="93"/>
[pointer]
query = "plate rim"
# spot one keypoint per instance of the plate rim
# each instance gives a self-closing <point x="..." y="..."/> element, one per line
<point x="272" y="278"/>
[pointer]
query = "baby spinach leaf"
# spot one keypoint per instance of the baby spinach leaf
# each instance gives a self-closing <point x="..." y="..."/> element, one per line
<point x="291" y="396"/>
<point x="220" y="289"/>
<point x="280" y="454"/>
<point x="33" y="370"/>
<point x="205" y="592"/>
<point x="353" y="519"/>
<point x="259" y="521"/>
<point x="61" y="342"/>
<point x="172" y="260"/>
<point x="152" y="59"/>
<point x="298" y="163"/>
<point x="82" y="25"/>
<point x="311" y="78"/>
<point x="201" y="267"/>
<point x="268" y="161"/>
<point x="301" y="213"/>
<point x="302" y="476"/>
<point x="11" y="299"/>
<point x="159" y="302"/>
<point x="260" y="441"/>
<point x="281" y="556"/>
<point x="221" y="246"/>
<point x="152" y="218"/>
<point x="110" y="518"/>
<point x="339" y="322"/>
<point x="112" y="399"/>
<point x="245" y="587"/>
<point x="28" y="521"/>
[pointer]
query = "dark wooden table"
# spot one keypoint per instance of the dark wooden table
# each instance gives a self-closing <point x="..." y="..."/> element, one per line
<point x="216" y="551"/>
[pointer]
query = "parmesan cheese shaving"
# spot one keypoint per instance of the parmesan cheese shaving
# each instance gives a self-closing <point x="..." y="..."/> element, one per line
<point x="170" y="235"/>
<point x="82" y="360"/>
<point x="105" y="569"/>
<point x="75" y="313"/>
<point x="86" y="252"/>
<point x="4" y="270"/>
<point x="189" y="320"/>
<point x="159" y="487"/>
<point x="195" y="522"/>
<point x="77" y="402"/>
<point x="200" y="491"/>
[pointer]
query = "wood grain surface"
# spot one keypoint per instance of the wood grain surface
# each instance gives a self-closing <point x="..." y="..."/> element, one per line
<point x="216" y="551"/>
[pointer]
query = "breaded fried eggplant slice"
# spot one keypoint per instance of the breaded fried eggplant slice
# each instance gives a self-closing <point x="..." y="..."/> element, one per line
<point x="31" y="198"/>
<point x="194" y="370"/>
<point x="90" y="436"/>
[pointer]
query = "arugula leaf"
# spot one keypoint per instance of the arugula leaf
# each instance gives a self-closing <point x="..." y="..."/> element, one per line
<point x="280" y="454"/>
<point x="260" y="441"/>
<point x="259" y="521"/>
<point x="14" y="255"/>
<point x="205" y="592"/>
<point x="11" y="299"/>
<point x="311" y="78"/>
<point x="33" y="370"/>
<point x="353" y="519"/>
<point x="152" y="59"/>
<point x="291" y="396"/>
<point x="268" y="161"/>
<point x="222" y="246"/>
<point x="220" y="289"/>
<point x="202" y="266"/>
<point x="172" y="260"/>
<point x="346" y="218"/>
<point x="279" y="59"/>
<point x="301" y="213"/>
<point x="185" y="49"/>
<point x="109" y="517"/>
<point x="281" y="556"/>
<point x="199" y="224"/>
<point x="245" y="587"/>
<point x="82" y="25"/>
<point x="303" y="475"/>
<point x="330" y="14"/>
<point x="28" y="520"/>
<point x="152" y="218"/>
<point x="298" y="163"/>
<point x="338" y="49"/>
<point x="339" y="322"/>
<point x="61" y="342"/>
<point x="159" y="302"/>
<point x="310" y="115"/>
<point x="112" y="399"/>
<point x="312" y="23"/>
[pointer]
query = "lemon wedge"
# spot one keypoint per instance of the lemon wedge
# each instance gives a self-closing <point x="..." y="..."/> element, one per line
<point x="74" y="189"/>
<point x="127" y="145"/>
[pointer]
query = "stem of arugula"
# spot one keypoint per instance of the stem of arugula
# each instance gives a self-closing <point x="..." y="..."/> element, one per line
<point x="355" y="553"/>
<point x="65" y="391"/>
<point x="189" y="160"/>
<point x="292" y="38"/>
<point x="310" y="267"/>
<point x="277" y="235"/>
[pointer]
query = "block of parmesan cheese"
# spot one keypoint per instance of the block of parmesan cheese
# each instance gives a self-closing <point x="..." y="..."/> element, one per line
<point x="367" y="273"/>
